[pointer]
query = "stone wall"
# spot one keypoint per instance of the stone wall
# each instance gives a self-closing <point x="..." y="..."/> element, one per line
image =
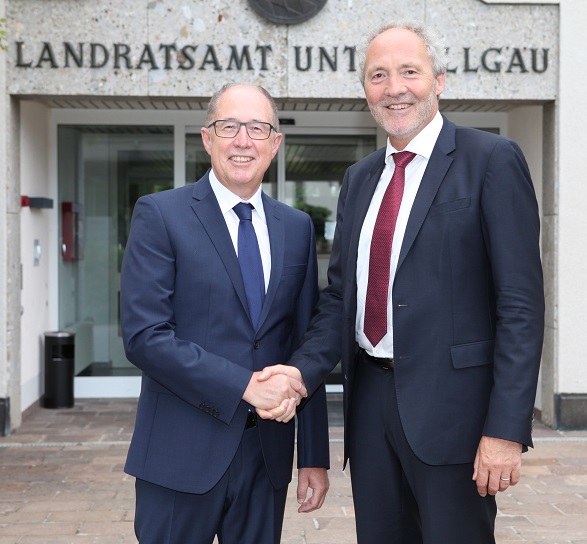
<point x="162" y="48"/>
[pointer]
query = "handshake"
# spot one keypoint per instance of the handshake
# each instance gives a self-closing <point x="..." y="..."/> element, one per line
<point x="275" y="392"/>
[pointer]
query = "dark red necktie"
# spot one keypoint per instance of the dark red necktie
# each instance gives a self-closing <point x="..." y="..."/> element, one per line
<point x="375" y="324"/>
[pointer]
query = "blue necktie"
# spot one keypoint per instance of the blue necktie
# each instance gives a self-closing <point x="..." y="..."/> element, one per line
<point x="249" y="258"/>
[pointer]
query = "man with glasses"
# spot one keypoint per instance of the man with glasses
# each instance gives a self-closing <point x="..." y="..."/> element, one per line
<point x="219" y="280"/>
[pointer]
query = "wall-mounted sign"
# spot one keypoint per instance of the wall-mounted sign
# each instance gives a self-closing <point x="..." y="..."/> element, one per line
<point x="503" y="59"/>
<point x="287" y="12"/>
<point x="294" y="48"/>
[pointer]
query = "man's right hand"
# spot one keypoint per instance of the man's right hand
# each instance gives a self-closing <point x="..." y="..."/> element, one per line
<point x="287" y="409"/>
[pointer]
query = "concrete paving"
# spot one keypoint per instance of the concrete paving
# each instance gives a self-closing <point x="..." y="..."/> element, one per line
<point x="61" y="482"/>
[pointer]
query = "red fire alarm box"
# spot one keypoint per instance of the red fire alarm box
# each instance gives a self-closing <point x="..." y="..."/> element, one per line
<point x="70" y="231"/>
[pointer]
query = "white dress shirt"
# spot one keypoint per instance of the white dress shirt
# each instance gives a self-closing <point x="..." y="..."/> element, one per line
<point x="227" y="200"/>
<point x="422" y="145"/>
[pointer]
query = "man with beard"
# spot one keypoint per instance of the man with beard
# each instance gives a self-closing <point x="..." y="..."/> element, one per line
<point x="435" y="306"/>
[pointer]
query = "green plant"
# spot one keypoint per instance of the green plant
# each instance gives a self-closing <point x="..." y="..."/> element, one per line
<point x="3" y="41"/>
<point x="319" y="215"/>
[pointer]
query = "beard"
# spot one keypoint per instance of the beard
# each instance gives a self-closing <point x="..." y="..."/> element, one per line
<point x="405" y="128"/>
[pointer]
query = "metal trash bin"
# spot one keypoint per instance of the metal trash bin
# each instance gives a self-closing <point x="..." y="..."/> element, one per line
<point x="59" y="369"/>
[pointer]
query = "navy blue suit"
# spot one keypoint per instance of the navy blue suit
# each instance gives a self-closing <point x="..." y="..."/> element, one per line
<point x="185" y="324"/>
<point x="468" y="312"/>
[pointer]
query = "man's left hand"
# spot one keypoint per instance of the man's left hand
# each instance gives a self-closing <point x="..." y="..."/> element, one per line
<point x="497" y="465"/>
<point x="315" y="479"/>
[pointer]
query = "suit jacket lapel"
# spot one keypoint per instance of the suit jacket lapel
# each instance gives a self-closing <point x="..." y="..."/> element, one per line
<point x="276" y="228"/>
<point x="363" y="195"/>
<point x="208" y="212"/>
<point x="436" y="170"/>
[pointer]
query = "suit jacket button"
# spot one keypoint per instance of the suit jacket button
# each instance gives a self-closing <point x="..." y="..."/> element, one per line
<point x="257" y="344"/>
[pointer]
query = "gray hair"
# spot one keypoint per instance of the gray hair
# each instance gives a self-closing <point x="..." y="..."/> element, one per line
<point x="213" y="104"/>
<point x="434" y="44"/>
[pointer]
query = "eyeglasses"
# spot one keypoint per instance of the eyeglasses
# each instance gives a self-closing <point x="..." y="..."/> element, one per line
<point x="257" y="130"/>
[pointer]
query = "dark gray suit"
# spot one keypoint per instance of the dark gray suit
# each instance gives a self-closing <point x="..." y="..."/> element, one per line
<point x="468" y="312"/>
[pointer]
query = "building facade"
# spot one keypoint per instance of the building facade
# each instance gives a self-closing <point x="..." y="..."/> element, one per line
<point x="103" y="101"/>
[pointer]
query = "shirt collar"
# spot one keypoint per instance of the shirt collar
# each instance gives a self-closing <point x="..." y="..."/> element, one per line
<point x="228" y="200"/>
<point x="423" y="143"/>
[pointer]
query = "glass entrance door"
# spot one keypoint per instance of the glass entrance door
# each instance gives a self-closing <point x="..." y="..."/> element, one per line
<point x="103" y="170"/>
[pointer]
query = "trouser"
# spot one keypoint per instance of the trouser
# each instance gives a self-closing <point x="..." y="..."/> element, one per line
<point x="242" y="508"/>
<point x="398" y="498"/>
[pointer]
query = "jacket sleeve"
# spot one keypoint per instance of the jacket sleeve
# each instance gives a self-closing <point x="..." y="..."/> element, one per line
<point x="321" y="347"/>
<point x="312" y="430"/>
<point x="511" y="230"/>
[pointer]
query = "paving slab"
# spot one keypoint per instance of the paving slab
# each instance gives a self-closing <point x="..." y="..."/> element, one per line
<point x="61" y="482"/>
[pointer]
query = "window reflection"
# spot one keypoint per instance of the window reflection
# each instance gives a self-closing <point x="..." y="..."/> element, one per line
<point x="314" y="169"/>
